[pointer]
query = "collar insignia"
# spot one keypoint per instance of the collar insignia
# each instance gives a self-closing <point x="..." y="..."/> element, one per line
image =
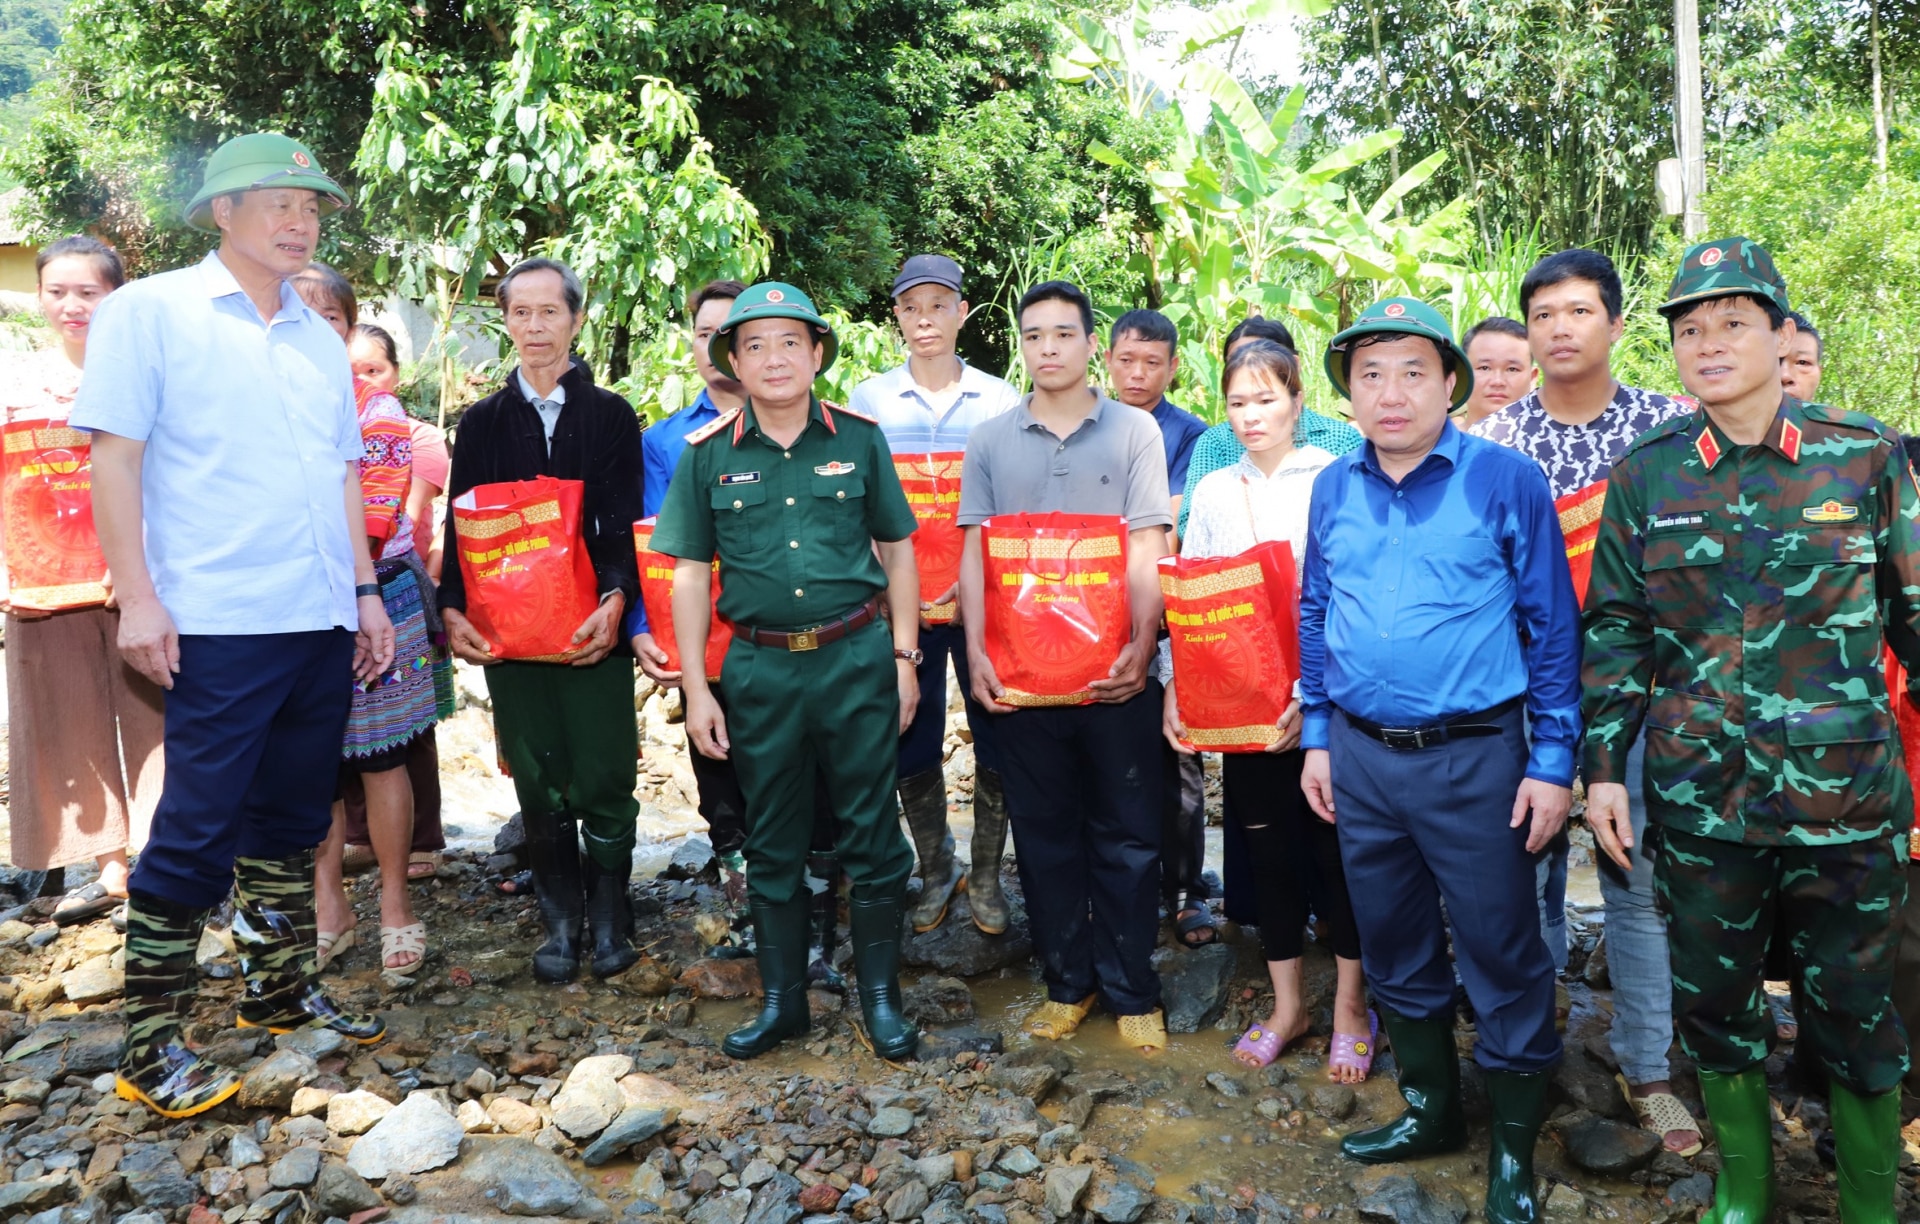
<point x="1707" y="447"/>
<point x="734" y="478"/>
<point x="836" y="468"/>
<point x="1830" y="511"/>
<point x="1790" y="439"/>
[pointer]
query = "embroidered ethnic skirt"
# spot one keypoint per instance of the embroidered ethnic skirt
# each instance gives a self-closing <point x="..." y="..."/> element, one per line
<point x="405" y="700"/>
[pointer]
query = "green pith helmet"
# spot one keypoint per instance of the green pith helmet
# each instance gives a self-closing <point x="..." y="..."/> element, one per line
<point x="771" y="300"/>
<point x="1403" y="316"/>
<point x="263" y="159"/>
<point x="1722" y="268"/>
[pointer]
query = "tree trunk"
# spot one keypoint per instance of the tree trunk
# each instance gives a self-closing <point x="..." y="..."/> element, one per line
<point x="1879" y="99"/>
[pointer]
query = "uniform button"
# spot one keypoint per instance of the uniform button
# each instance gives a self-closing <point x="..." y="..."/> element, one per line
<point x="789" y="501"/>
<point x="1383" y="635"/>
<point x="798" y="593"/>
<point x="1399" y="493"/>
<point x="736" y="503"/>
<point x="841" y="494"/>
<point x="793" y="543"/>
<point x="1394" y="540"/>
<point x="787" y="454"/>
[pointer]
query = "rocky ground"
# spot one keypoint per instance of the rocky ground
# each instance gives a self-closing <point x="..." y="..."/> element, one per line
<point x="495" y="1098"/>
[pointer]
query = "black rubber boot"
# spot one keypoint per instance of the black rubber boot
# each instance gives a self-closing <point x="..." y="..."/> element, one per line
<point x="823" y="870"/>
<point x="923" y="799"/>
<point x="780" y="937"/>
<point x="553" y="853"/>
<point x="1519" y="1101"/>
<point x="875" y="923"/>
<point x="1430" y="1083"/>
<point x="157" y="1068"/>
<point x="273" y="937"/>
<point x="610" y="917"/>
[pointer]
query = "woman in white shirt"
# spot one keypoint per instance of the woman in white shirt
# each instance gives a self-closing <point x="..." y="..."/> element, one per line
<point x="1295" y="857"/>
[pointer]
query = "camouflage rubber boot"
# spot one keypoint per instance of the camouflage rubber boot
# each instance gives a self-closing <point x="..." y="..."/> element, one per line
<point x="984" y="897"/>
<point x="823" y="881"/>
<point x="923" y="798"/>
<point x="273" y="936"/>
<point x="157" y="1068"/>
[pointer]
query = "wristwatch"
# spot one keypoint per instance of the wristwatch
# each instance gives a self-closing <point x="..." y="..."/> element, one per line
<point x="915" y="657"/>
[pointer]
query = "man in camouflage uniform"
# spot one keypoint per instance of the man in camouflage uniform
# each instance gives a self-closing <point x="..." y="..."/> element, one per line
<point x="1750" y="556"/>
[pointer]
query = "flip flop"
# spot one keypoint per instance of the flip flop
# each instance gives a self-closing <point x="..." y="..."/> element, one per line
<point x="1355" y="1053"/>
<point x="330" y="946"/>
<point x="84" y="904"/>
<point x="1260" y="1041"/>
<point x="423" y="865"/>
<point x="519" y="884"/>
<point x="409" y="940"/>
<point x="1196" y="917"/>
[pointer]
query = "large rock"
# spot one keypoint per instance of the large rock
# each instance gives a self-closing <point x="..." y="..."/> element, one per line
<point x="722" y="1207"/>
<point x="339" y="1191"/>
<point x="515" y="1117"/>
<point x="960" y="949"/>
<point x="37" y="1193"/>
<point x="943" y="1045"/>
<point x="356" y="1112"/>
<point x="937" y="1000"/>
<point x="1396" y="1198"/>
<point x="907" y="1202"/>
<point x="631" y="1126"/>
<point x="271" y="1085"/>
<point x="1195" y="983"/>
<point x="1585" y="1086"/>
<point x="296" y="1170"/>
<point x="777" y="1201"/>
<point x="1032" y="1082"/>
<point x="890" y="1122"/>
<point x="1117" y="1199"/>
<point x="527" y="1180"/>
<point x="1065" y="1184"/>
<point x="1601" y="1145"/>
<point x="157" y="1180"/>
<point x="67" y="1047"/>
<point x="721" y="979"/>
<point x="94" y="980"/>
<point x="591" y="1098"/>
<point x="420" y="1134"/>
<point x="691" y="859"/>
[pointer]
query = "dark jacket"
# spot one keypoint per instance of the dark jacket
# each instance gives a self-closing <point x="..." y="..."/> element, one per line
<point x="597" y="441"/>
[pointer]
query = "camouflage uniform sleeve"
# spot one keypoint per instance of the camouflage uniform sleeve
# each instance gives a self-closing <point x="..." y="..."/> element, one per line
<point x="1617" y="666"/>
<point x="1897" y="541"/>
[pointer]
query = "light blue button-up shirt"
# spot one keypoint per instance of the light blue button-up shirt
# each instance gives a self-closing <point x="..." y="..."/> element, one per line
<point x="908" y="419"/>
<point x="249" y="427"/>
<point x="1416" y="595"/>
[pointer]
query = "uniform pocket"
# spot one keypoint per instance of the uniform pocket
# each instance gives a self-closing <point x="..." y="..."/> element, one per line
<point x="1684" y="583"/>
<point x="1826" y="576"/>
<point x="842" y="502"/>
<point x="1837" y="756"/>
<point x="1690" y="756"/>
<point x="740" y="518"/>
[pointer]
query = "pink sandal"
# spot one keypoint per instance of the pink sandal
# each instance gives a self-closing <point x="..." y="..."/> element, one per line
<point x="1261" y="1042"/>
<point x="1355" y="1053"/>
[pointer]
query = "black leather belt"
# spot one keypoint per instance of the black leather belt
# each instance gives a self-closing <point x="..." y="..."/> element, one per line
<point x="1466" y="726"/>
<point x="815" y="638"/>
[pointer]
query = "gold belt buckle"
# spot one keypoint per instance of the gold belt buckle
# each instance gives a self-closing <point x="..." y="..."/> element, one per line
<point x="804" y="640"/>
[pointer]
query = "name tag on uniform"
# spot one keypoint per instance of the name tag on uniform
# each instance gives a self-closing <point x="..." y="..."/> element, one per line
<point x="1663" y="522"/>
<point x="734" y="478"/>
<point x="833" y="469"/>
<point x="1830" y="511"/>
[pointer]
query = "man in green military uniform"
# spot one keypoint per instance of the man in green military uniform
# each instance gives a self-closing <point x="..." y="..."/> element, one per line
<point x="799" y="500"/>
<point x="1753" y="556"/>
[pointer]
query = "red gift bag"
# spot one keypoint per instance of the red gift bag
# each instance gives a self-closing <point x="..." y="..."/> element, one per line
<point x="1906" y="717"/>
<point x="932" y="485"/>
<point x="1057" y="606"/>
<point x="1580" y="523"/>
<point x="53" y="554"/>
<point x="529" y="580"/>
<point x="656" y="592"/>
<point x="1234" y="626"/>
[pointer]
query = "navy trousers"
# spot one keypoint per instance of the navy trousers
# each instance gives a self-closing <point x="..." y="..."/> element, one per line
<point x="1084" y="800"/>
<point x="1424" y="824"/>
<point x="923" y="747"/>
<point x="255" y="724"/>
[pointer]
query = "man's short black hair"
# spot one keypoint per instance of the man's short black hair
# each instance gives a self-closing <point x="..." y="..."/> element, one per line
<point x="1260" y="327"/>
<point x="1574" y="264"/>
<point x="1494" y="325"/>
<point x="1806" y="325"/>
<point x="1776" y="317"/>
<point x="713" y="291"/>
<point x="1057" y="291"/>
<point x="1148" y="325"/>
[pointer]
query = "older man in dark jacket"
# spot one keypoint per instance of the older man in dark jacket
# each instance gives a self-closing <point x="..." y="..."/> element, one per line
<point x="566" y="730"/>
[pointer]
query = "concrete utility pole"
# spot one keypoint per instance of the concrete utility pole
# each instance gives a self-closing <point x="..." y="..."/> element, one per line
<point x="1879" y="104"/>
<point x="1689" y="126"/>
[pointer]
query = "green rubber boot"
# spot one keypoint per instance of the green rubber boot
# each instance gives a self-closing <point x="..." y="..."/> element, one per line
<point x="157" y="1067"/>
<point x="875" y="923"/>
<point x="1519" y="1101"/>
<point x="923" y="800"/>
<point x="1430" y="1082"/>
<point x="781" y="946"/>
<point x="1743" y="1127"/>
<point x="1866" y="1147"/>
<point x="273" y="936"/>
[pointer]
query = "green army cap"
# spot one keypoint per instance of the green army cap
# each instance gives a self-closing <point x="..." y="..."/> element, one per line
<point x="771" y="300"/>
<point x="263" y="159"/>
<point x="1722" y="268"/>
<point x="1403" y="316"/>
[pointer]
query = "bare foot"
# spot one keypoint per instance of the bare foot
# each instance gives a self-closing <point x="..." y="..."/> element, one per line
<point x="113" y="876"/>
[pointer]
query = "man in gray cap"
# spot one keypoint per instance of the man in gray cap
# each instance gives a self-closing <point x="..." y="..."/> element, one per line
<point x="926" y="409"/>
<point x="213" y="393"/>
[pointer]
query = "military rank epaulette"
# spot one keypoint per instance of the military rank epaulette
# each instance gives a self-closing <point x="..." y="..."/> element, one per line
<point x="842" y="408"/>
<point x="713" y="427"/>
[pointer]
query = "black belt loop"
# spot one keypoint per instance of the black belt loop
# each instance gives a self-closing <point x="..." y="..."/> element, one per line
<point x="1465" y="726"/>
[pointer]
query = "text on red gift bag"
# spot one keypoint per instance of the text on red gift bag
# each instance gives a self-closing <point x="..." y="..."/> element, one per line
<point x="932" y="485"/>
<point x="1233" y="625"/>
<point x="530" y="583"/>
<point x="1057" y="607"/>
<point x="656" y="592"/>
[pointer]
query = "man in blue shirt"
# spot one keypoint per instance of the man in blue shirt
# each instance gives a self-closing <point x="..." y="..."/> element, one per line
<point x="1143" y="355"/>
<point x="928" y="407"/>
<point x="1437" y="618"/>
<point x="214" y="391"/>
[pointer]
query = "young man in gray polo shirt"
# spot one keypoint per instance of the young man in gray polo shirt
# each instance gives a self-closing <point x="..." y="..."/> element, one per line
<point x="1083" y="783"/>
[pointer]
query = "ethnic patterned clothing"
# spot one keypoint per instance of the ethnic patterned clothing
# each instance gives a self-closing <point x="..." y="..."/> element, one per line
<point x="396" y="706"/>
<point x="386" y="469"/>
<point x="1577" y="456"/>
<point x="1740" y="599"/>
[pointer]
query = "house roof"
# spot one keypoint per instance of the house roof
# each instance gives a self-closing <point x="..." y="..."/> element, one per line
<point x="12" y="232"/>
